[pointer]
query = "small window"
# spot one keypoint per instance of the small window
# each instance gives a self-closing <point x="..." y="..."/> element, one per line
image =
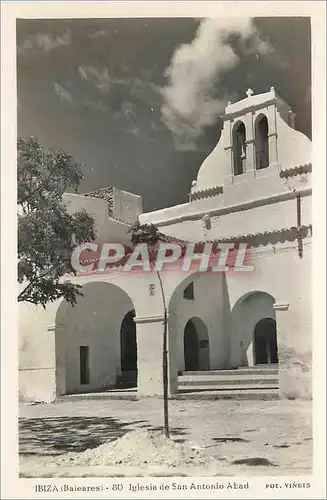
<point x="189" y="292"/>
<point x="84" y="356"/>
<point x="261" y="143"/>
<point x="239" y="148"/>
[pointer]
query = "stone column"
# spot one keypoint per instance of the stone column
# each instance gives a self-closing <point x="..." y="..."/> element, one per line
<point x="294" y="355"/>
<point x="250" y="151"/>
<point x="272" y="136"/>
<point x="60" y="358"/>
<point x="149" y="334"/>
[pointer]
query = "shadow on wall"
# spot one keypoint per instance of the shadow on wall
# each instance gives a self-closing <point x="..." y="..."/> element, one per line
<point x="227" y="321"/>
<point x="275" y="237"/>
<point x="248" y="311"/>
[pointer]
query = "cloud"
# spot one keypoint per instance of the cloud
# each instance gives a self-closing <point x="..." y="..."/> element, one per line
<point x="139" y="87"/>
<point x="124" y="96"/>
<point x="96" y="106"/>
<point x="64" y="95"/>
<point x="127" y="109"/>
<point x="135" y="131"/>
<point x="44" y="42"/>
<point x="100" y="78"/>
<point x="99" y="34"/>
<point x="195" y="71"/>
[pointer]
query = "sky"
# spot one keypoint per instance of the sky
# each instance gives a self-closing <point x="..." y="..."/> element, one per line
<point x="139" y="101"/>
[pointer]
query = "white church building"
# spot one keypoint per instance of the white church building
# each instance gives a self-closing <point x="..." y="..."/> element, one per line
<point x="254" y="187"/>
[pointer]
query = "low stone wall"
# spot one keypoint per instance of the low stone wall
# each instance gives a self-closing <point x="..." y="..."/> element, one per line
<point x="37" y="385"/>
<point x="295" y="374"/>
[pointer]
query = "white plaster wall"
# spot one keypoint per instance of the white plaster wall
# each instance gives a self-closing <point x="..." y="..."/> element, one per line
<point x="37" y="384"/>
<point x="256" y="220"/>
<point x="208" y="305"/>
<point x="294" y="148"/>
<point x="37" y="360"/>
<point x="265" y="196"/>
<point x="107" y="228"/>
<point x="95" y="207"/>
<point x="217" y="166"/>
<point x="127" y="206"/>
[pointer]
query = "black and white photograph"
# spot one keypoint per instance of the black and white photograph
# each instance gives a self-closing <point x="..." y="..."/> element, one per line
<point x="164" y="243"/>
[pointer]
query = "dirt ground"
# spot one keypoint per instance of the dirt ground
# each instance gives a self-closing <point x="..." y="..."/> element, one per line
<point x="238" y="438"/>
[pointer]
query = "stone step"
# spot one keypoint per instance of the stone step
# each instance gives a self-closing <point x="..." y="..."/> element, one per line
<point x="253" y="394"/>
<point x="126" y="395"/>
<point x="222" y="381"/>
<point x="201" y="392"/>
<point x="224" y="388"/>
<point x="236" y="372"/>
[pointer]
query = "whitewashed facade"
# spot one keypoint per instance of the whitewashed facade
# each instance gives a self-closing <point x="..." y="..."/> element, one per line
<point x="254" y="187"/>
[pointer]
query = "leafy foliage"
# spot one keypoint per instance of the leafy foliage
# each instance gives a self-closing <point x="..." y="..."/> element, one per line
<point x="144" y="233"/>
<point x="47" y="232"/>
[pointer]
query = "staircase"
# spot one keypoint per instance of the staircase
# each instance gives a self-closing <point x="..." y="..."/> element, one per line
<point x="259" y="382"/>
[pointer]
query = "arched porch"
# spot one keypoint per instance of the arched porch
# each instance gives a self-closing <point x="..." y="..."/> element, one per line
<point x="254" y="331"/>
<point x="88" y="342"/>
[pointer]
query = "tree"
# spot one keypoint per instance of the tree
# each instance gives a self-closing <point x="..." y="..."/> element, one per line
<point x="47" y="232"/>
<point x="149" y="233"/>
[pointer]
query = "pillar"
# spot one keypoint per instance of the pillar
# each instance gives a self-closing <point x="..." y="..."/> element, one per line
<point x="149" y="333"/>
<point x="272" y="136"/>
<point x="250" y="150"/>
<point x="294" y="352"/>
<point x="60" y="358"/>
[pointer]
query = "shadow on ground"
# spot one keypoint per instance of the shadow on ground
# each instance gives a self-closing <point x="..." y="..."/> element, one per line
<point x="58" y="435"/>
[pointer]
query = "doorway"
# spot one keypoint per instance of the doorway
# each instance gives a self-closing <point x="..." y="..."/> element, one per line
<point x="128" y="349"/>
<point x="265" y="342"/>
<point x="191" y="347"/>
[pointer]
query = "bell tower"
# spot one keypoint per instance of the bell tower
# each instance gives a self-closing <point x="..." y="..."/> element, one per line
<point x="258" y="139"/>
<point x="252" y="123"/>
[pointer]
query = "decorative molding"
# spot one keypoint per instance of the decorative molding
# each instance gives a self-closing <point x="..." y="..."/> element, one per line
<point x="36" y="369"/>
<point x="300" y="170"/>
<point x="248" y="109"/>
<point x="283" y="234"/>
<point x="281" y="306"/>
<point x="149" y="319"/>
<point x="206" y="193"/>
<point x="248" y="205"/>
<point x="53" y="328"/>
<point x="106" y="194"/>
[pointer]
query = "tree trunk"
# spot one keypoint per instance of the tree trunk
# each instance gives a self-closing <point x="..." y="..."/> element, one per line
<point x="165" y="361"/>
